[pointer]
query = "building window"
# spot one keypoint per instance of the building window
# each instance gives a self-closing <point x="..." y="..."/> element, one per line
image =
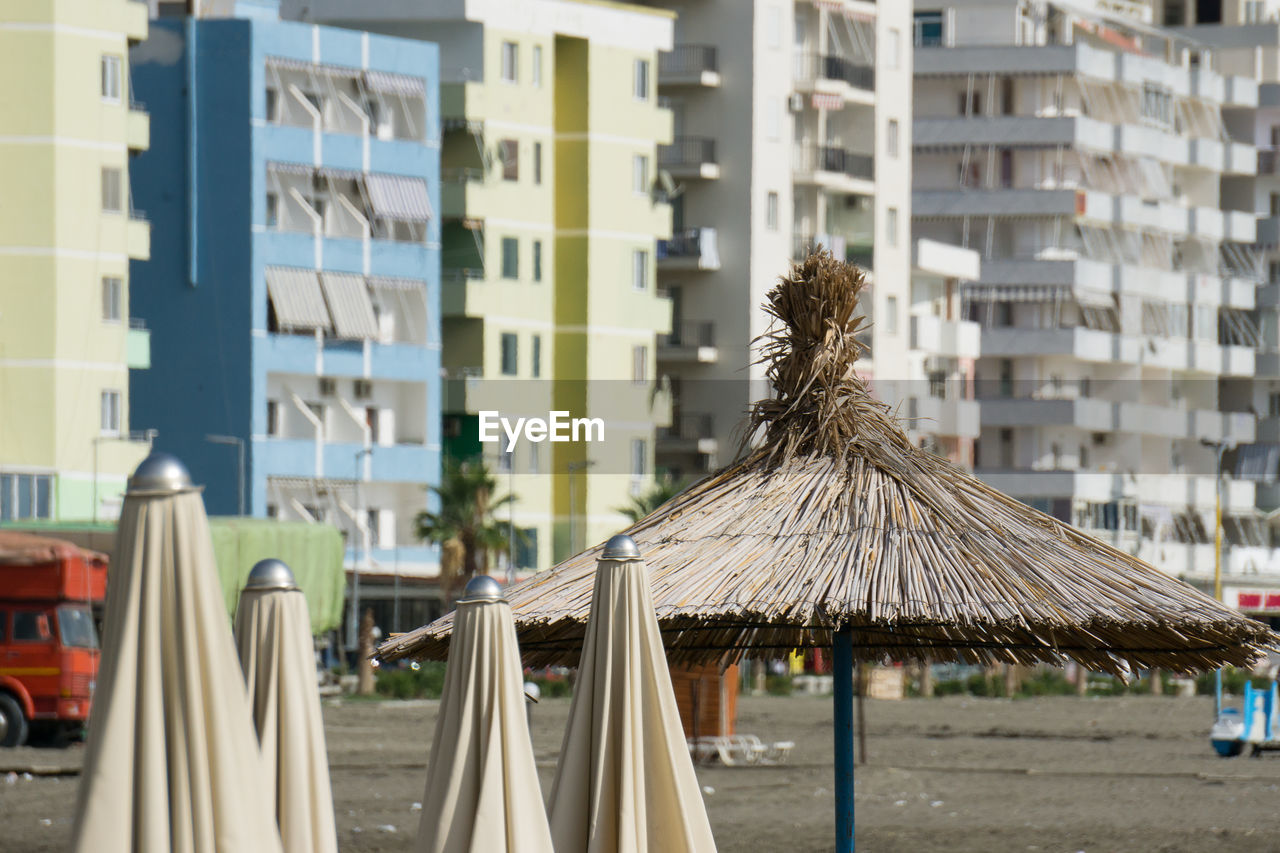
<point x="510" y="258"/>
<point x="537" y="260"/>
<point x="112" y="191"/>
<point x="1157" y="104"/>
<point x="1273" y="271"/>
<point x="509" y="151"/>
<point x="1273" y="405"/>
<point x="533" y="466"/>
<point x="111" y="78"/>
<point x="537" y="163"/>
<point x="273" y="418"/>
<point x="771" y="211"/>
<point x="640" y="87"/>
<point x="273" y="105"/>
<point x="510" y="62"/>
<point x="1007" y="101"/>
<point x="109" y="420"/>
<point x="640" y="269"/>
<point x="273" y="210"/>
<point x="373" y="523"/>
<point x="891" y="138"/>
<point x="510" y="354"/>
<point x="891" y="315"/>
<point x="638" y="458"/>
<point x="112" y="288"/>
<point x="505" y="459"/>
<point x="891" y="226"/>
<point x="535" y="364"/>
<point x="639" y="364"/>
<point x="537" y="65"/>
<point x="640" y="173"/>
<point x="25" y="496"/>
<point x="970" y="103"/>
<point x="1006" y="168"/>
<point x="320" y="412"/>
<point x="893" y="48"/>
<point x="928" y="29"/>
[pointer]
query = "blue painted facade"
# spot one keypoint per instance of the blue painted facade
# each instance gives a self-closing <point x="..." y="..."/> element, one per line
<point x="204" y="292"/>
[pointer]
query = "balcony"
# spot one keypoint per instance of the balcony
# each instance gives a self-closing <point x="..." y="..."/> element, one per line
<point x="835" y="169"/>
<point x="690" y="432"/>
<point x="137" y="128"/>
<point x="138" y="236"/>
<point x="1108" y="416"/>
<point x="461" y="292"/>
<point x="1241" y="159"/>
<point x="693" y="249"/>
<point x="137" y="345"/>
<point x="690" y="157"/>
<point x="1268" y="162"/>
<point x="689" y="65"/>
<point x="457" y="191"/>
<point x="1239" y="227"/>
<point x="1178" y="490"/>
<point x="948" y="338"/>
<point x="689" y="342"/>
<point x="835" y="75"/>
<point x="936" y="416"/>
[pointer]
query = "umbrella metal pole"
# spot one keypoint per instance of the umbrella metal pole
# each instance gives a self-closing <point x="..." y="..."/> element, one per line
<point x="842" y="676"/>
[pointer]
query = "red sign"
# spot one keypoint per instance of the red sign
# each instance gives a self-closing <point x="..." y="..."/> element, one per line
<point x="1258" y="600"/>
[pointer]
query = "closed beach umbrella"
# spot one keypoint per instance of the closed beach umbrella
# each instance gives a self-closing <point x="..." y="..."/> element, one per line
<point x="273" y="635"/>
<point x="171" y="762"/>
<point x="834" y="530"/>
<point x="482" y="791"/>
<point x="625" y="781"/>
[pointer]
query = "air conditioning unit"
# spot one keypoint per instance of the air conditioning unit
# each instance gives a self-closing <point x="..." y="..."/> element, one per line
<point x="363" y="389"/>
<point x="796" y="102"/>
<point x="328" y="387"/>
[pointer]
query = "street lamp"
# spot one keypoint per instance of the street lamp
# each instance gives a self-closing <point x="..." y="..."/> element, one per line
<point x="239" y="445"/>
<point x="1220" y="448"/>
<point x="362" y="527"/>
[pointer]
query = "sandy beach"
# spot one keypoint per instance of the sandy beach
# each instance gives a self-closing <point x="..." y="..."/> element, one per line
<point x="955" y="774"/>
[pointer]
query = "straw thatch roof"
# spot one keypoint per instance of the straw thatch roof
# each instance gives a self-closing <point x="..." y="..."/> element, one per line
<point x="836" y="519"/>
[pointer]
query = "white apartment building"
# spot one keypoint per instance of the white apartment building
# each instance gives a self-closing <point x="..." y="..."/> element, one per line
<point x="791" y="128"/>
<point x="1085" y="156"/>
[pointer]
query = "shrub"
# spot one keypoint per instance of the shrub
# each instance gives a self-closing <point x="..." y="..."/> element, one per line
<point x="404" y="682"/>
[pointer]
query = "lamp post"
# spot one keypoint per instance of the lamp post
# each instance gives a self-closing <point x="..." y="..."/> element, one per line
<point x="1220" y="448"/>
<point x="239" y="445"/>
<point x="362" y="526"/>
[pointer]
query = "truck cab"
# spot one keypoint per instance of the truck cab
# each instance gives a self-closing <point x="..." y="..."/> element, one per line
<point x="48" y="640"/>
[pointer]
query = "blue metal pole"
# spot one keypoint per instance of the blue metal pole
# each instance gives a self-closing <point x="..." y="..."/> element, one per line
<point x="1217" y="694"/>
<point x="842" y="675"/>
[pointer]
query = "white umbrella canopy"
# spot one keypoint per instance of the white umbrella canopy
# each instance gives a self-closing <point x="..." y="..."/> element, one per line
<point x="273" y="636"/>
<point x="482" y="790"/>
<point x="625" y="781"/>
<point x="171" y="762"/>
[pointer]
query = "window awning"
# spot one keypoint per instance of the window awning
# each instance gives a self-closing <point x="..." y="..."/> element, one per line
<point x="290" y="168"/>
<point x="349" y="304"/>
<point x="295" y="294"/>
<point x="399" y="197"/>
<point x="386" y="83"/>
<point x="1258" y="462"/>
<point x="386" y="283"/>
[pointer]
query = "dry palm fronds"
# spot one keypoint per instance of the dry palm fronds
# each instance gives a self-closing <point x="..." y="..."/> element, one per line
<point x="836" y="520"/>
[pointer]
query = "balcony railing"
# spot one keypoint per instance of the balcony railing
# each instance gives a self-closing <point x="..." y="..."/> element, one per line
<point x="687" y="151"/>
<point x="826" y="158"/>
<point x="461" y="275"/>
<point x="689" y="333"/>
<point x="462" y="175"/>
<point x="812" y="66"/>
<point x="687" y="60"/>
<point x="694" y="244"/>
<point x="689" y="426"/>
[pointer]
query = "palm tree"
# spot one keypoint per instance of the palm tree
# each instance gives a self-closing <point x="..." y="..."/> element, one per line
<point x="466" y="517"/>
<point x="663" y="490"/>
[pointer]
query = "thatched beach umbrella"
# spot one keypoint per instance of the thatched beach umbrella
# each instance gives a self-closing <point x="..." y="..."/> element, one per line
<point x="625" y="782"/>
<point x="482" y="789"/>
<point x="277" y="654"/>
<point x="171" y="762"/>
<point x="837" y="531"/>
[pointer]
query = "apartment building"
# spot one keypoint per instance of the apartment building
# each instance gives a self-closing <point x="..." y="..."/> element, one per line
<point x="68" y="230"/>
<point x="294" y="290"/>
<point x="550" y="142"/>
<point x="1086" y="157"/>
<point x="791" y="129"/>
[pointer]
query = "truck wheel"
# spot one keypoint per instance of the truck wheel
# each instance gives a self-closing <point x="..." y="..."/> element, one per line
<point x="13" y="725"/>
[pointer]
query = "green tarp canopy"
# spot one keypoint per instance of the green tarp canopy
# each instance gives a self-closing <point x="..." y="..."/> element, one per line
<point x="313" y="551"/>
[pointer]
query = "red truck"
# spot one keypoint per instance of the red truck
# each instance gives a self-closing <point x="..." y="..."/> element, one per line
<point x="48" y="640"/>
